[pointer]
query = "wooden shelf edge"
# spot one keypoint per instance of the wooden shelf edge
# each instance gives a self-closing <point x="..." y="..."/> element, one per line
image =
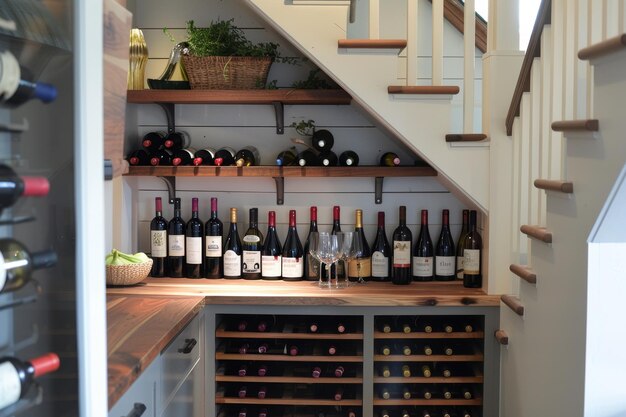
<point x="290" y="336"/>
<point x="286" y="358"/>
<point x="524" y="273"/>
<point x="537" y="232"/>
<point x="582" y="125"/>
<point x="286" y="401"/>
<point x="287" y="379"/>
<point x="514" y="304"/>
<point x="465" y="137"/>
<point x="372" y="43"/>
<point x="604" y="48"/>
<point x="423" y="335"/>
<point x="430" y="380"/>
<point x="565" y="187"/>
<point x="423" y="89"/>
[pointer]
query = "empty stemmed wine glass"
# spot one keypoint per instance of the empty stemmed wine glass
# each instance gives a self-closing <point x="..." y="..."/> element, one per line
<point x="328" y="250"/>
<point x="314" y="245"/>
<point x="357" y="248"/>
<point x="346" y="253"/>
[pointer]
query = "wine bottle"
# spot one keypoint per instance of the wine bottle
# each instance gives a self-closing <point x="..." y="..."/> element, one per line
<point x="262" y="370"/>
<point x="161" y="157"/>
<point x="401" y="258"/>
<point x="17" y="85"/>
<point x="428" y="350"/>
<point x="426" y="371"/>
<point x="385" y="371"/>
<point x="338" y="396"/>
<point x="381" y="252"/>
<point x="176" y="140"/>
<point x="444" y="253"/>
<point x="360" y="267"/>
<point x="448" y="351"/>
<point x="385" y="350"/>
<point x="286" y="157"/>
<point x="322" y="140"/>
<point x="389" y="159"/>
<point x="423" y="259"/>
<point x="460" y="247"/>
<point x="183" y="156"/>
<point x="448" y="328"/>
<point x="406" y="393"/>
<point x="243" y="391"/>
<point x="316" y="372"/>
<point x="247" y="156"/>
<point x="406" y="328"/>
<point x="425" y="393"/>
<point x="426" y="413"/>
<point x="16" y="376"/>
<point x="339" y="371"/>
<point x="252" y="245"/>
<point x="446" y="372"/>
<point x="193" y="243"/>
<point x="405" y="413"/>
<point x="384" y="413"/>
<point x="328" y="159"/>
<point x="213" y="232"/>
<point x="176" y="243"/>
<point x="139" y="157"/>
<point x="293" y="268"/>
<point x="314" y="327"/>
<point x="13" y="186"/>
<point x="224" y="157"/>
<point x="348" y="159"/>
<point x="262" y="348"/>
<point x="385" y="328"/>
<point x="446" y="393"/>
<point x="406" y="371"/>
<point x="307" y="158"/>
<point x="472" y="264"/>
<point x="243" y="412"/>
<point x="204" y="156"/>
<point x="331" y="350"/>
<point x="271" y="256"/>
<point x="385" y="394"/>
<point x="263" y="413"/>
<point x="158" y="240"/>
<point x="153" y="141"/>
<point x="18" y="264"/>
<point x="406" y="350"/>
<point x="340" y="267"/>
<point x="232" y="249"/>
<point x="311" y="265"/>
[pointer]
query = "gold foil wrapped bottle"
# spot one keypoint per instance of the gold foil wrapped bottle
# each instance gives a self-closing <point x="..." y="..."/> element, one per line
<point x="138" y="58"/>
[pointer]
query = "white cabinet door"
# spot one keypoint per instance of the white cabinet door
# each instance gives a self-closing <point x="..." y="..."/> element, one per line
<point x="141" y="398"/>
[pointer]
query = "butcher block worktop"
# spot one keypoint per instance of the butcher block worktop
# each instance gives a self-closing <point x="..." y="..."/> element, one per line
<point x="143" y="319"/>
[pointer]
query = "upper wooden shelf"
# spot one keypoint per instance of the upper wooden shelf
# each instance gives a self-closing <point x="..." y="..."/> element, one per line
<point x="285" y="96"/>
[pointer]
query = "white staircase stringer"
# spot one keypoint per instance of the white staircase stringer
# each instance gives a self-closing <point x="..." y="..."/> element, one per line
<point x="421" y="124"/>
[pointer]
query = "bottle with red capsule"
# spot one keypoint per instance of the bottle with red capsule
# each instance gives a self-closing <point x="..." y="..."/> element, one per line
<point x="176" y="140"/>
<point x="153" y="141"/>
<point x="224" y="157"/>
<point x="12" y="186"/>
<point x="139" y="157"/>
<point x="16" y="376"/>
<point x="204" y="156"/>
<point x="183" y="156"/>
<point x="161" y="157"/>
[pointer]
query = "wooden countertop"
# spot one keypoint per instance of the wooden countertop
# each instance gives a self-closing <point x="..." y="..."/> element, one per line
<point x="138" y="329"/>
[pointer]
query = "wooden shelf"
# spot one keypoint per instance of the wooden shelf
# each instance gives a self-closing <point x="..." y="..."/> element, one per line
<point x="287" y="401"/>
<point x="286" y="358"/>
<point x="285" y="96"/>
<point x="220" y="332"/>
<point x="433" y="335"/>
<point x="288" y="379"/>
<point x="430" y="380"/>
<point x="450" y="402"/>
<point x="429" y="358"/>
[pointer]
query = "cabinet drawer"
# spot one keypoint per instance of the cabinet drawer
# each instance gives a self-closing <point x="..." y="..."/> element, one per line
<point x="189" y="399"/>
<point x="140" y="398"/>
<point x="179" y="358"/>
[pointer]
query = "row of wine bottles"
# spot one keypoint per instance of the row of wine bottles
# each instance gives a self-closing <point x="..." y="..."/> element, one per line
<point x="177" y="249"/>
<point x="426" y="392"/>
<point x="313" y="371"/>
<point x="427" y="412"/>
<point x="427" y="349"/>
<point x="296" y="391"/>
<point x="290" y="349"/>
<point x="282" y="411"/>
<point x="17" y="376"/>
<point x="426" y="324"/>
<point x="271" y="324"/>
<point x="427" y="370"/>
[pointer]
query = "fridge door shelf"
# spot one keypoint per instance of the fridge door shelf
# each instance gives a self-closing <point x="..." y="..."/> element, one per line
<point x="22" y="344"/>
<point x="27" y="298"/>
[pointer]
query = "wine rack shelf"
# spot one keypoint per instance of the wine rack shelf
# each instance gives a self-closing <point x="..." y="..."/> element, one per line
<point x="429" y="380"/>
<point x="286" y="401"/>
<point x="429" y="358"/>
<point x="433" y="335"/>
<point x="287" y="379"/>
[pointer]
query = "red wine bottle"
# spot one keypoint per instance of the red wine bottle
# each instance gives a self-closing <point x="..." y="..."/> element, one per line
<point x="13" y="186"/>
<point x="176" y="243"/>
<point x="293" y="267"/>
<point x="307" y="158"/>
<point x="204" y="156"/>
<point x="341" y="328"/>
<point x="381" y="252"/>
<point x="139" y="157"/>
<point x="338" y="396"/>
<point x="339" y="371"/>
<point x="340" y="267"/>
<point x="244" y="349"/>
<point x="263" y="348"/>
<point x="389" y="159"/>
<point x="348" y="159"/>
<point x="293" y="350"/>
<point x="153" y="141"/>
<point x="262" y="371"/>
<point x="444" y="253"/>
<point x="286" y="157"/>
<point x="247" y="156"/>
<point x="183" y="156"/>
<point x="193" y="243"/>
<point x="263" y="412"/>
<point x="460" y="247"/>
<point x="332" y="350"/>
<point x="213" y="232"/>
<point x="177" y="140"/>
<point x="271" y="255"/>
<point x="16" y="376"/>
<point x="224" y="157"/>
<point x="243" y="391"/>
<point x="17" y="85"/>
<point x="472" y="264"/>
<point x="328" y="159"/>
<point x="158" y="240"/>
<point x="360" y="268"/>
<point x="311" y="265"/>
<point x="322" y="140"/>
<point x="232" y="249"/>
<point x="161" y="157"/>
<point x="423" y="259"/>
<point x="252" y="245"/>
<point x="262" y="393"/>
<point x="316" y="372"/>
<point x="18" y="264"/>
<point x="401" y="258"/>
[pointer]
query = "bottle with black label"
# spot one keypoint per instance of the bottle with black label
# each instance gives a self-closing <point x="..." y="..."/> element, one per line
<point x="339" y="269"/>
<point x="381" y="252"/>
<point x="176" y="243"/>
<point x="193" y="243"/>
<point x="444" y="253"/>
<point x="423" y="259"/>
<point x="232" y="249"/>
<point x="271" y="256"/>
<point x="401" y="258"/>
<point x="293" y="268"/>
<point x="213" y="233"/>
<point x="252" y="245"/>
<point x="158" y="240"/>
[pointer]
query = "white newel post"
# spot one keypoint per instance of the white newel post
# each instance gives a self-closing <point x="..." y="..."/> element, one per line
<point x="501" y="66"/>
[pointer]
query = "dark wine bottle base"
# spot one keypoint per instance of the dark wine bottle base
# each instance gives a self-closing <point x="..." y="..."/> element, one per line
<point x="472" y="281"/>
<point x="271" y="278"/>
<point x="238" y="277"/>
<point x="293" y="279"/>
<point x="422" y="279"/>
<point x="401" y="281"/>
<point x="381" y="279"/>
<point x="251" y="276"/>
<point x="445" y="278"/>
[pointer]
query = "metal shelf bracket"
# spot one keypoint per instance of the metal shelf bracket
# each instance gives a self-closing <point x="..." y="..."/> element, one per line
<point x="170" y="182"/>
<point x="169" y="110"/>
<point x="279" y="109"/>
<point x="280" y="190"/>
<point x="378" y="190"/>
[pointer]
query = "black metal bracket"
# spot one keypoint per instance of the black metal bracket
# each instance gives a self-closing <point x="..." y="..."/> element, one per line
<point x="280" y="190"/>
<point x="378" y="190"/>
<point x="279" y="109"/>
<point x="171" y="188"/>
<point x="169" y="110"/>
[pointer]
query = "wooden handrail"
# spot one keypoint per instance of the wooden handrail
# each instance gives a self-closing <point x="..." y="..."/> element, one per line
<point x="372" y="43"/>
<point x="603" y="48"/>
<point x="581" y="125"/>
<point x="555" y="185"/>
<point x="533" y="51"/>
<point x="423" y="89"/>
<point x="502" y="337"/>
<point x="524" y="273"/>
<point x="513" y="303"/>
<point x="453" y="11"/>
<point x="537" y="232"/>
<point x="465" y="137"/>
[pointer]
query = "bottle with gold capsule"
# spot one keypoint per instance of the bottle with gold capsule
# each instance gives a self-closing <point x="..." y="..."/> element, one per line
<point x="360" y="267"/>
<point x="385" y="372"/>
<point x="406" y="371"/>
<point x="426" y="371"/>
<point x="385" y="350"/>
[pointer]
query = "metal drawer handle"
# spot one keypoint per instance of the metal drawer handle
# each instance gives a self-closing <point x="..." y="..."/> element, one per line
<point x="137" y="411"/>
<point x="189" y="345"/>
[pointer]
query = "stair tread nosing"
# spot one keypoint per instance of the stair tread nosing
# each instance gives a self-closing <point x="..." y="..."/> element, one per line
<point x="555" y="185"/>
<point x="580" y="125"/>
<point x="537" y="232"/>
<point x="604" y="48"/>
<point x="513" y="303"/>
<point x="502" y="337"/>
<point x="423" y="89"/>
<point x="465" y="137"/>
<point x="372" y="43"/>
<point x="524" y="273"/>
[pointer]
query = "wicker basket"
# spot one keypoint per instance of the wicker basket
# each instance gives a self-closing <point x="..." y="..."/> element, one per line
<point x="128" y="274"/>
<point x="226" y="72"/>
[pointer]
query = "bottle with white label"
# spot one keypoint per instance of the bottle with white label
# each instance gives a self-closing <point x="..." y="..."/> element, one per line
<point x="472" y="268"/>
<point x="381" y="252"/>
<point x="401" y="258"/>
<point x="293" y="263"/>
<point x="213" y="233"/>
<point x="271" y="256"/>
<point x="16" y="376"/>
<point x="193" y="243"/>
<point x="232" y="249"/>
<point x="444" y="253"/>
<point x="158" y="240"/>
<point x="252" y="245"/>
<point x="176" y="243"/>
<point x="460" y="246"/>
<point x="423" y="260"/>
<point x="359" y="268"/>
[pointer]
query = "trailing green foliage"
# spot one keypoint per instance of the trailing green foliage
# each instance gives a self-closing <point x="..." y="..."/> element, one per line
<point x="313" y="81"/>
<point x="304" y="128"/>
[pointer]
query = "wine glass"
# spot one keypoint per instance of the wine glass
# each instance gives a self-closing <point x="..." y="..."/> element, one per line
<point x="328" y="249"/>
<point x="346" y="253"/>
<point x="357" y="247"/>
<point x="314" y="245"/>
